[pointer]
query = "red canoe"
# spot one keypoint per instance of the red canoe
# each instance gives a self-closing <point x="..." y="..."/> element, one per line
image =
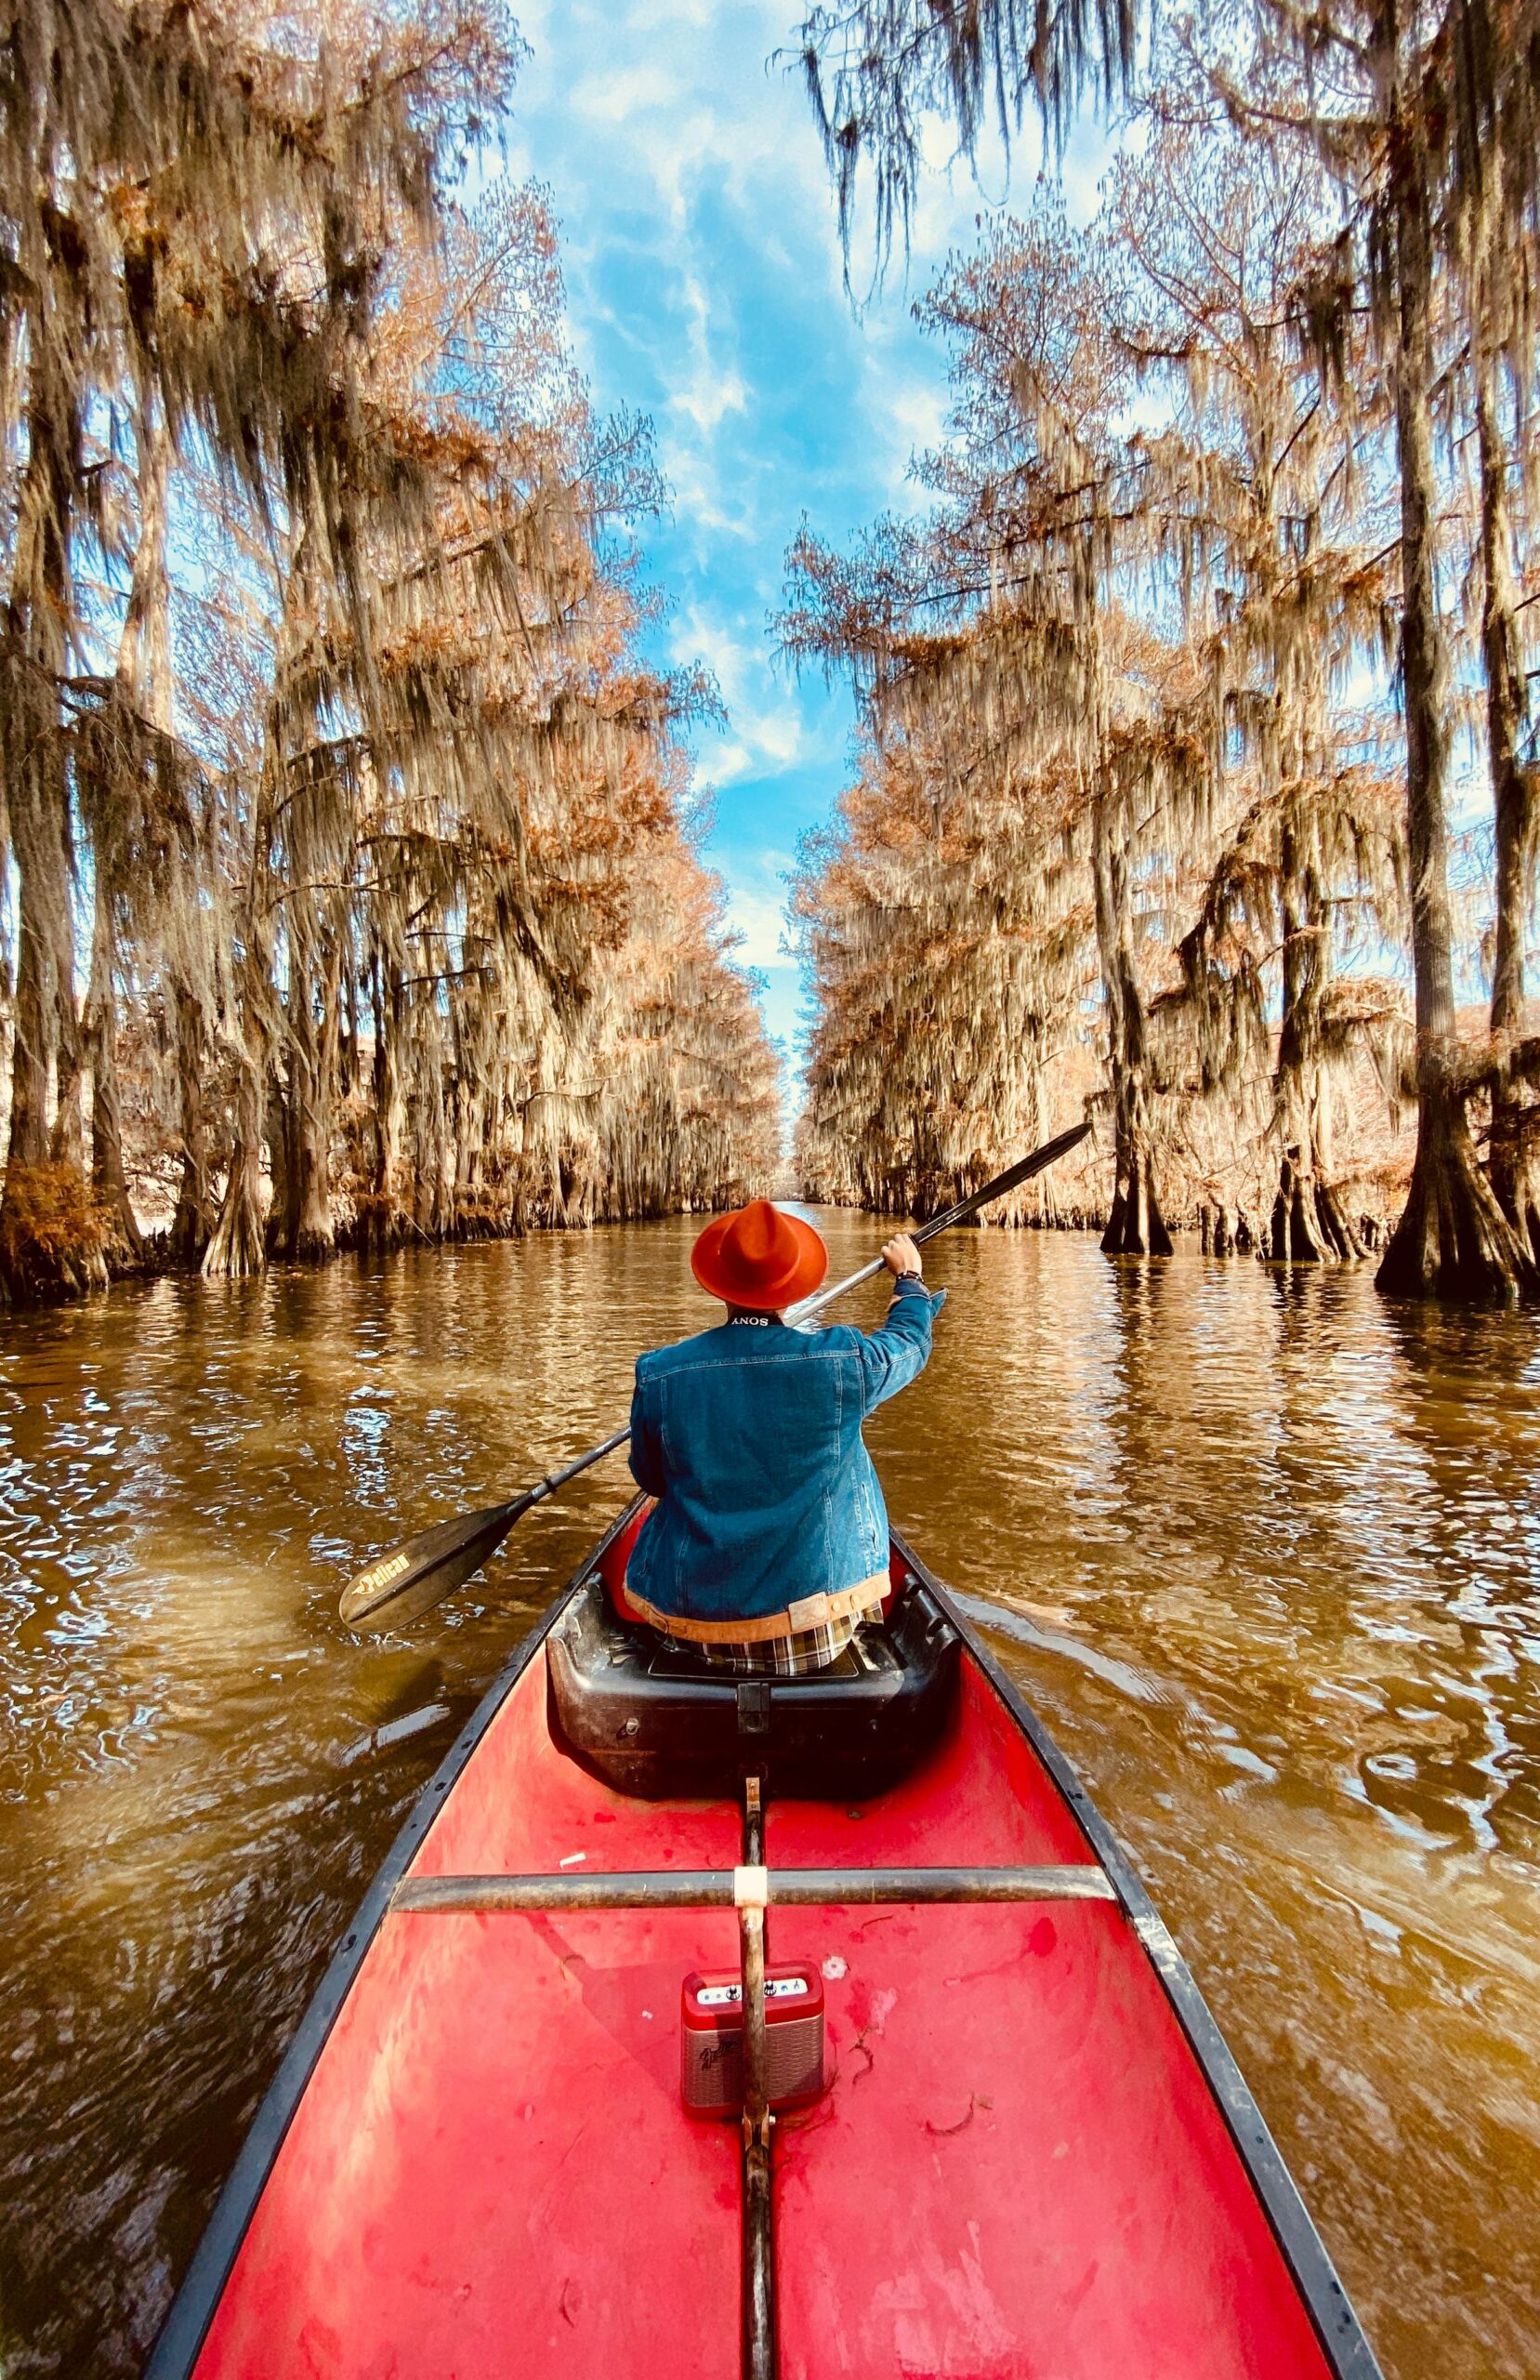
<point x="1023" y="2150"/>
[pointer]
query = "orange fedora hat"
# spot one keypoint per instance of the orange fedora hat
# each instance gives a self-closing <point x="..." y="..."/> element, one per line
<point x="759" y="1258"/>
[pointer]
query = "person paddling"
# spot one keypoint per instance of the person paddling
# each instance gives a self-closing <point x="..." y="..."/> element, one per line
<point x="768" y="1543"/>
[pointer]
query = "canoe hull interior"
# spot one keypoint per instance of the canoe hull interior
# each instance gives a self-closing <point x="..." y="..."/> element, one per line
<point x="1020" y="2163"/>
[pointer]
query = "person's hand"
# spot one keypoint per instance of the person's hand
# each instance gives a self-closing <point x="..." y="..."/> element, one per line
<point x="901" y="1255"/>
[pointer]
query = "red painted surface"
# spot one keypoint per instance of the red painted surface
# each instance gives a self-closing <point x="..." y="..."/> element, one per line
<point x="615" y="1560"/>
<point x="1020" y="2168"/>
<point x="1018" y="2174"/>
<point x="490" y="2172"/>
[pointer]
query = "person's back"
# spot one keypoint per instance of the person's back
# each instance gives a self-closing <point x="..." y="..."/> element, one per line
<point x="769" y="1539"/>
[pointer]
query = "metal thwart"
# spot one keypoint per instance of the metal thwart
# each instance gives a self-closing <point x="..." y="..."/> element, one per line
<point x="753" y="1889"/>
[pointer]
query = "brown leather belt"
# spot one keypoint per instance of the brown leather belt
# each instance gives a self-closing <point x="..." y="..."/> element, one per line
<point x="811" y="1611"/>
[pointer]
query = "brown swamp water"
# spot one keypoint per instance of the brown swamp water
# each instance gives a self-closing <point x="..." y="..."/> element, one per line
<point x="1261" y="1550"/>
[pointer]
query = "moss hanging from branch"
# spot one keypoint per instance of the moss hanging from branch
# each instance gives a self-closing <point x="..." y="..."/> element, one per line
<point x="381" y="813"/>
<point x="1318" y="261"/>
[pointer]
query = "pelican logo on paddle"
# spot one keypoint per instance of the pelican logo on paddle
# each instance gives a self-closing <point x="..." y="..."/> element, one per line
<point x="382" y="1573"/>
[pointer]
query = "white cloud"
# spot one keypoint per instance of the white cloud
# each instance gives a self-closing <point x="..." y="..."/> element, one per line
<point x="759" y="744"/>
<point x="734" y="660"/>
<point x="755" y="905"/>
<point x="725" y="761"/>
<point x="709" y="501"/>
<point x="714" y="388"/>
<point x="915" y="423"/>
<point x="761" y="923"/>
<point x="710" y="394"/>
<point x="630" y="91"/>
<point x="705" y="287"/>
<point x="768" y="731"/>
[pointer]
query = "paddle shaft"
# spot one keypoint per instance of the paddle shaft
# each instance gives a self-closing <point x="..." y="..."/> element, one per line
<point x="409" y="1581"/>
<point x="1001" y="1184"/>
<point x="803" y="1311"/>
<point x="554" y="1479"/>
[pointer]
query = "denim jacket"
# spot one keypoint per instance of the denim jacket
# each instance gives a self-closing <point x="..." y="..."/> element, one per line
<point x="750" y="1437"/>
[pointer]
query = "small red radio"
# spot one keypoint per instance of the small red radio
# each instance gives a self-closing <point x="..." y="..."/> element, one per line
<point x="711" y="2043"/>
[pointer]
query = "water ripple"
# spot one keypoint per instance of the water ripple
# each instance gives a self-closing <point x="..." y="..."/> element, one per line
<point x="1262" y="1550"/>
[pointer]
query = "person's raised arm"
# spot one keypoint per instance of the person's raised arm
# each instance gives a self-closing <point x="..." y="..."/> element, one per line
<point x="902" y="1258"/>
<point x="899" y="1348"/>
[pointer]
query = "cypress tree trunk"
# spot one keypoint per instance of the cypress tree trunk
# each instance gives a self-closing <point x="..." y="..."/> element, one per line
<point x="238" y="1247"/>
<point x="1454" y="1239"/>
<point x="34" y="782"/>
<point x="384" y="1223"/>
<point x="144" y="693"/>
<point x="67" y="1141"/>
<point x="1515" y="1163"/>
<point x="1135" y="1226"/>
<point x="432" y="1211"/>
<point x="32" y="1041"/>
<point x="1308" y="1226"/>
<point x="193" y="1225"/>
<point x="466" y="1217"/>
<point x="1294" y="1236"/>
<point x="308" y="1230"/>
<point x="126" y="1250"/>
<point x="278" y="1133"/>
<point x="314" y="1232"/>
<point x="144" y="670"/>
<point x="50" y="1234"/>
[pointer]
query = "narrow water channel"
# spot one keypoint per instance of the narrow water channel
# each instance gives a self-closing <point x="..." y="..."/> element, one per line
<point x="1262" y="1551"/>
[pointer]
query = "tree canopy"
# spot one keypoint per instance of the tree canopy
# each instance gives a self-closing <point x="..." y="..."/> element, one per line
<point x="1223" y="597"/>
<point x="356" y="861"/>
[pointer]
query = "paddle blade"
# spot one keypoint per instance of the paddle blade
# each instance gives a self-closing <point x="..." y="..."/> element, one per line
<point x="403" y="1585"/>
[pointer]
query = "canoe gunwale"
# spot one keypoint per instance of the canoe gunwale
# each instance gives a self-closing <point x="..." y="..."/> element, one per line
<point x="1343" y="2343"/>
<point x="192" y="2309"/>
<point x="1337" y="2325"/>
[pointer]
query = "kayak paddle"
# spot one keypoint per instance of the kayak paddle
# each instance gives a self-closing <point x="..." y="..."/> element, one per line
<point x="402" y="1585"/>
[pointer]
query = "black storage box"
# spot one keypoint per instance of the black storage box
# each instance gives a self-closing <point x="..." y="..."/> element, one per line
<point x="660" y="1724"/>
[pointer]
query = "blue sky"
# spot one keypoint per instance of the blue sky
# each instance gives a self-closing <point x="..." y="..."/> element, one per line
<point x="704" y="280"/>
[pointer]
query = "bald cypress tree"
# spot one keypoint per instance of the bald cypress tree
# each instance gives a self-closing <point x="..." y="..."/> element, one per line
<point x="1499" y="251"/>
<point x="320" y="680"/>
<point x="876" y="70"/>
<point x="1425" y="120"/>
<point x="1000" y="640"/>
<point x="139" y="153"/>
<point x="1267" y="518"/>
<point x="1410" y="111"/>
